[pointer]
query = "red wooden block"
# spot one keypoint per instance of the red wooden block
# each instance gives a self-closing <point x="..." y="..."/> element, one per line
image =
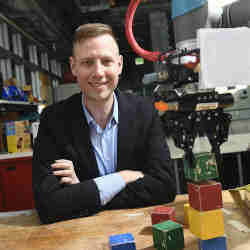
<point x="205" y="196"/>
<point x="163" y="213"/>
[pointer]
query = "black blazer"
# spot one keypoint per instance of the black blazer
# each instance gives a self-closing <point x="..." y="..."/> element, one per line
<point x="64" y="134"/>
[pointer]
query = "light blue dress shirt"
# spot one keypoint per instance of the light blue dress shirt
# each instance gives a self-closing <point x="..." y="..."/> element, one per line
<point x="104" y="142"/>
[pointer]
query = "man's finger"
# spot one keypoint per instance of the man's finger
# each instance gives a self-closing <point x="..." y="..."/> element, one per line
<point x="61" y="165"/>
<point x="62" y="172"/>
<point x="66" y="180"/>
<point x="63" y="160"/>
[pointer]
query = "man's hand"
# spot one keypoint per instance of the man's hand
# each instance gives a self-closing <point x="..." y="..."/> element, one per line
<point x="130" y="175"/>
<point x="65" y="169"/>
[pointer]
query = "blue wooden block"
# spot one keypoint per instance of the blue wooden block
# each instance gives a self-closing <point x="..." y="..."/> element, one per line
<point x="218" y="243"/>
<point x="122" y="242"/>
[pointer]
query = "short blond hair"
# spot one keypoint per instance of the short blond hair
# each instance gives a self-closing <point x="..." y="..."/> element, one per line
<point x="91" y="30"/>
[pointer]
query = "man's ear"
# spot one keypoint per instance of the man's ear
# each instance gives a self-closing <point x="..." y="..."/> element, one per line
<point x="72" y="65"/>
<point x="121" y="63"/>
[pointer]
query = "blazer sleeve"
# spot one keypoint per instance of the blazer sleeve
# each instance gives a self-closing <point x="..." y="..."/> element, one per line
<point x="158" y="185"/>
<point x="54" y="201"/>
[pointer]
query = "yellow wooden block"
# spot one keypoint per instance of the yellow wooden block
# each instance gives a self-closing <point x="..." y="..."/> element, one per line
<point x="186" y="215"/>
<point x="206" y="225"/>
<point x="247" y="198"/>
<point x="241" y="197"/>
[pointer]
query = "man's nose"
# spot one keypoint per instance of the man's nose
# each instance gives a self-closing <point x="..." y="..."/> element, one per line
<point x="99" y="69"/>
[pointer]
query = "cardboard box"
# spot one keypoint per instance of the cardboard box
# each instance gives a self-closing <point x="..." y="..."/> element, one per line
<point x="18" y="136"/>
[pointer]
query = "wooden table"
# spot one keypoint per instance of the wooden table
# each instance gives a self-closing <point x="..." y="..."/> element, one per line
<point x="24" y="232"/>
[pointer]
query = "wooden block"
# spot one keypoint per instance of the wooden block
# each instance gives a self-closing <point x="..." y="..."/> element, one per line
<point x="122" y="242"/>
<point x="205" y="196"/>
<point x="241" y="196"/>
<point x="168" y="235"/>
<point x="186" y="215"/>
<point x="238" y="197"/>
<point x="206" y="225"/>
<point x="247" y="198"/>
<point x="162" y="213"/>
<point x="205" y="168"/>
<point x="213" y="244"/>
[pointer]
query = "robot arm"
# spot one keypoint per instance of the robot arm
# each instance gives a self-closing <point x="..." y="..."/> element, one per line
<point x="190" y="112"/>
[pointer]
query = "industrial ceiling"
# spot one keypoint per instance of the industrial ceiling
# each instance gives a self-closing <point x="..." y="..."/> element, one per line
<point x="52" y="23"/>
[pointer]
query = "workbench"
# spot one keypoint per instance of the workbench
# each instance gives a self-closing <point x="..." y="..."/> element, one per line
<point x="24" y="231"/>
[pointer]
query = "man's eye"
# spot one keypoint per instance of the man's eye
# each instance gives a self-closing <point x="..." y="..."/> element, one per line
<point x="86" y="63"/>
<point x="107" y="61"/>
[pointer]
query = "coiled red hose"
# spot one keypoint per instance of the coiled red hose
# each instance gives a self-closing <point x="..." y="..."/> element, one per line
<point x="148" y="55"/>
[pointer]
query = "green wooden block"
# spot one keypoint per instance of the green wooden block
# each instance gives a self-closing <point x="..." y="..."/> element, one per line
<point x="168" y="235"/>
<point x="205" y="168"/>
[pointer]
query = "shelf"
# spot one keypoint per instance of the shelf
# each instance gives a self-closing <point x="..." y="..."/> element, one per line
<point x="6" y="156"/>
<point x="17" y="106"/>
<point x="19" y="60"/>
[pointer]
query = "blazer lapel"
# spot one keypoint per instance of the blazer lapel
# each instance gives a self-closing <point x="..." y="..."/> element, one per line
<point x="81" y="140"/>
<point x="126" y="131"/>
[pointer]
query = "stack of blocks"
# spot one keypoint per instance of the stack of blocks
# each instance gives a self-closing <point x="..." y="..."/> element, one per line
<point x="205" y="216"/>
<point x="167" y="234"/>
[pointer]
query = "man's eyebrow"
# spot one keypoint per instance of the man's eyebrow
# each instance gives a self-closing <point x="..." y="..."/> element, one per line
<point x="93" y="57"/>
<point x="84" y="58"/>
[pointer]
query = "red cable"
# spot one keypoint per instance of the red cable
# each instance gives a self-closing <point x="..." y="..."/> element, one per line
<point x="148" y="55"/>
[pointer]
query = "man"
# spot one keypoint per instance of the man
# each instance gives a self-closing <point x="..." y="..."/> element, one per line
<point x="99" y="149"/>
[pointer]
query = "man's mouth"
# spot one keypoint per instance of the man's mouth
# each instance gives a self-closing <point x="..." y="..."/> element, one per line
<point x="97" y="84"/>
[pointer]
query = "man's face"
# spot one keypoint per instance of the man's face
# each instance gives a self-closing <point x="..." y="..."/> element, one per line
<point x="96" y="63"/>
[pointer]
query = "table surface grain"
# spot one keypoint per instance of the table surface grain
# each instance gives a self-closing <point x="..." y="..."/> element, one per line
<point x="24" y="232"/>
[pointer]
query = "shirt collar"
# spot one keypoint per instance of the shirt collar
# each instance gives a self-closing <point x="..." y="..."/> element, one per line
<point x="114" y="116"/>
